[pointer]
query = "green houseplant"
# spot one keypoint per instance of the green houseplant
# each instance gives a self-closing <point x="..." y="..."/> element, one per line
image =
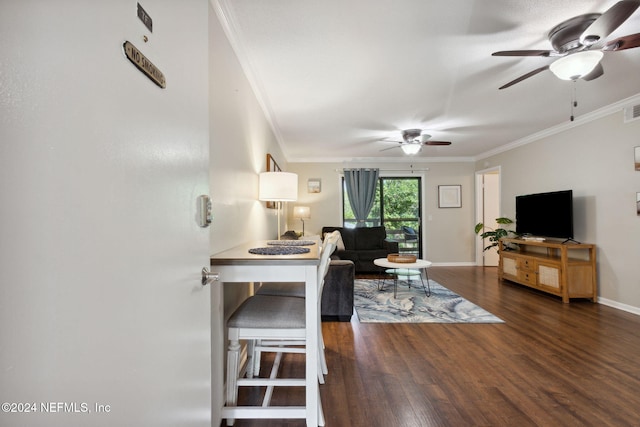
<point x="494" y="235"/>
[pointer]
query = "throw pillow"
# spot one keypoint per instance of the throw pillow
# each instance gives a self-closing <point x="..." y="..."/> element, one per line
<point x="340" y="243"/>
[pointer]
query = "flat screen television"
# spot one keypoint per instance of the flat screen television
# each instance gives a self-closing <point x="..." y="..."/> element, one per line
<point x="545" y="214"/>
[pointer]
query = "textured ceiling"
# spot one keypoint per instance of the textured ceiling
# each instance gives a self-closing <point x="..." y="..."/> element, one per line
<point x="336" y="76"/>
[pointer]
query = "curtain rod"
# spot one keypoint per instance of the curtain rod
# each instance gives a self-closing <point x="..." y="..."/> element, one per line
<point x="390" y="170"/>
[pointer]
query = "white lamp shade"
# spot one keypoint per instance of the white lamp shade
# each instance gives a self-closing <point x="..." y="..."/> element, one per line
<point x="302" y="212"/>
<point x="278" y="187"/>
<point x="576" y="65"/>
<point x="412" y="148"/>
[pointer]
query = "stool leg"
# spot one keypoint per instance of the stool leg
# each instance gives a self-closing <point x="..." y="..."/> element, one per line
<point x="256" y="358"/>
<point x="233" y="362"/>
<point x="320" y="411"/>
<point x="323" y="369"/>
<point x="252" y="358"/>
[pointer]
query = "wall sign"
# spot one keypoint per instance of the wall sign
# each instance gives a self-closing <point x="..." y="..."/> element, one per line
<point x="145" y="18"/>
<point x="143" y="64"/>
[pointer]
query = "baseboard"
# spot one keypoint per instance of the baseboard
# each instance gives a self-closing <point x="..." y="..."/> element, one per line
<point x="454" y="264"/>
<point x="620" y="306"/>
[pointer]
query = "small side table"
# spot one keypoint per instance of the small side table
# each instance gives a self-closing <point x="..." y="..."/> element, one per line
<point x="404" y="269"/>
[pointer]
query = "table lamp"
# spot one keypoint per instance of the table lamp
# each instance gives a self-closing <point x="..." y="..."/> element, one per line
<point x="278" y="187"/>
<point x="302" y="213"/>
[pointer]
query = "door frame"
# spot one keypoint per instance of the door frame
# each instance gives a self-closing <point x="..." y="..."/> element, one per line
<point x="480" y="205"/>
<point x="399" y="175"/>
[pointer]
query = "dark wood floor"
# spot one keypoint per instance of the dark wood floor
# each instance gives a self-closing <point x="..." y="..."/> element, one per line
<point x="549" y="364"/>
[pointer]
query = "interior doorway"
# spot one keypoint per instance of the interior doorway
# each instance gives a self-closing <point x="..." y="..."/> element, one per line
<point x="487" y="210"/>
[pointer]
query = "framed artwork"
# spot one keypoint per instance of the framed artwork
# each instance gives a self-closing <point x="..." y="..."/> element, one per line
<point x="272" y="166"/>
<point x="314" y="185"/>
<point x="637" y="158"/>
<point x="449" y="196"/>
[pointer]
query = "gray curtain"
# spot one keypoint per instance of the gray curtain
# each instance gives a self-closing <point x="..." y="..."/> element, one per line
<point x="361" y="188"/>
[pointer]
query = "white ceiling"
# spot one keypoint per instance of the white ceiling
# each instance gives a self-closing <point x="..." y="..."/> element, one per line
<point x="335" y="76"/>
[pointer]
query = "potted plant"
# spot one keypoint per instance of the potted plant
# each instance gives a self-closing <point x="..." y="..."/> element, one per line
<point x="494" y="235"/>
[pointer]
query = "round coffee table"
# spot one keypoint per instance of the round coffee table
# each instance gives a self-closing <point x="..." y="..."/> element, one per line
<point x="403" y="269"/>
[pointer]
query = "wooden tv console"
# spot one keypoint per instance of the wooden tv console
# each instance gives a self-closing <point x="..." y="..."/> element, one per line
<point x="567" y="270"/>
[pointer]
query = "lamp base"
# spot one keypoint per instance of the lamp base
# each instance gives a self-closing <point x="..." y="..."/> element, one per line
<point x="279" y="207"/>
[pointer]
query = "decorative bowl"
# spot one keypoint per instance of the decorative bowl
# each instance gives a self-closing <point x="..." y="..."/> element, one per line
<point x="401" y="259"/>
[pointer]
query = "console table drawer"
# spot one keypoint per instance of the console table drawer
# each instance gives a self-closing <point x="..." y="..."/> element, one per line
<point x="528" y="277"/>
<point x="526" y="264"/>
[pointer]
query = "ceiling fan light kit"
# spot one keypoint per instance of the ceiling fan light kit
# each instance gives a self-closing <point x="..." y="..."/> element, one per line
<point x="411" y="148"/>
<point x="413" y="140"/>
<point x="579" y="42"/>
<point x="577" y="65"/>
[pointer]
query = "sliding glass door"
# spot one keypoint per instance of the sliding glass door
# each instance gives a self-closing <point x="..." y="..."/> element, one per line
<point x="398" y="207"/>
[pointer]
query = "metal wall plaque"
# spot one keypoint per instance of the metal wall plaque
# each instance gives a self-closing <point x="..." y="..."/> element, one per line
<point x="145" y="18"/>
<point x="143" y="64"/>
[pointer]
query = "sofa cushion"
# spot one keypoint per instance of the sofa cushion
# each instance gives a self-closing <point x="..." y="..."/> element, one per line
<point x="348" y="238"/>
<point x="370" y="255"/>
<point x="348" y="255"/>
<point x="370" y="238"/>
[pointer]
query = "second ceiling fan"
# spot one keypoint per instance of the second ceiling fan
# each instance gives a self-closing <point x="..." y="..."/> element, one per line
<point x="579" y="43"/>
<point x="413" y="140"/>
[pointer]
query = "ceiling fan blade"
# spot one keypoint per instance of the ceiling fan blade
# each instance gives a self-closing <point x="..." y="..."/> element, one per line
<point x="622" y="43"/>
<point x="436" y="143"/>
<point x="525" y="76"/>
<point x="522" y="53"/>
<point x="391" y="148"/>
<point x="608" y="21"/>
<point x="595" y="73"/>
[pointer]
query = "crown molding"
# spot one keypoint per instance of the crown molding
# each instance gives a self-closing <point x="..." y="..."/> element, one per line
<point x="579" y="121"/>
<point x="403" y="160"/>
<point x="230" y="28"/>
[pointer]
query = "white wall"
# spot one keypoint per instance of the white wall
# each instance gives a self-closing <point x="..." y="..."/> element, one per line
<point x="595" y="160"/>
<point x="447" y="232"/>
<point x="241" y="137"/>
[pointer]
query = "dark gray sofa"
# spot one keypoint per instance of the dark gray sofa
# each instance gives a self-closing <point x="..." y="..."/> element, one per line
<point x="362" y="246"/>
<point x="337" y="294"/>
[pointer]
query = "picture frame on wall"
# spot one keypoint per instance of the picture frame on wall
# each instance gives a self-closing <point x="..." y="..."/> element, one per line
<point x="449" y="196"/>
<point x="637" y="158"/>
<point x="314" y="185"/>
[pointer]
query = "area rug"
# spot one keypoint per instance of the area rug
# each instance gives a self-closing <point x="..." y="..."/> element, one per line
<point x="413" y="306"/>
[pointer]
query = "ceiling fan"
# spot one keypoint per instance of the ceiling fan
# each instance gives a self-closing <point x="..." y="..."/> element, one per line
<point x="579" y="43"/>
<point x="413" y="140"/>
